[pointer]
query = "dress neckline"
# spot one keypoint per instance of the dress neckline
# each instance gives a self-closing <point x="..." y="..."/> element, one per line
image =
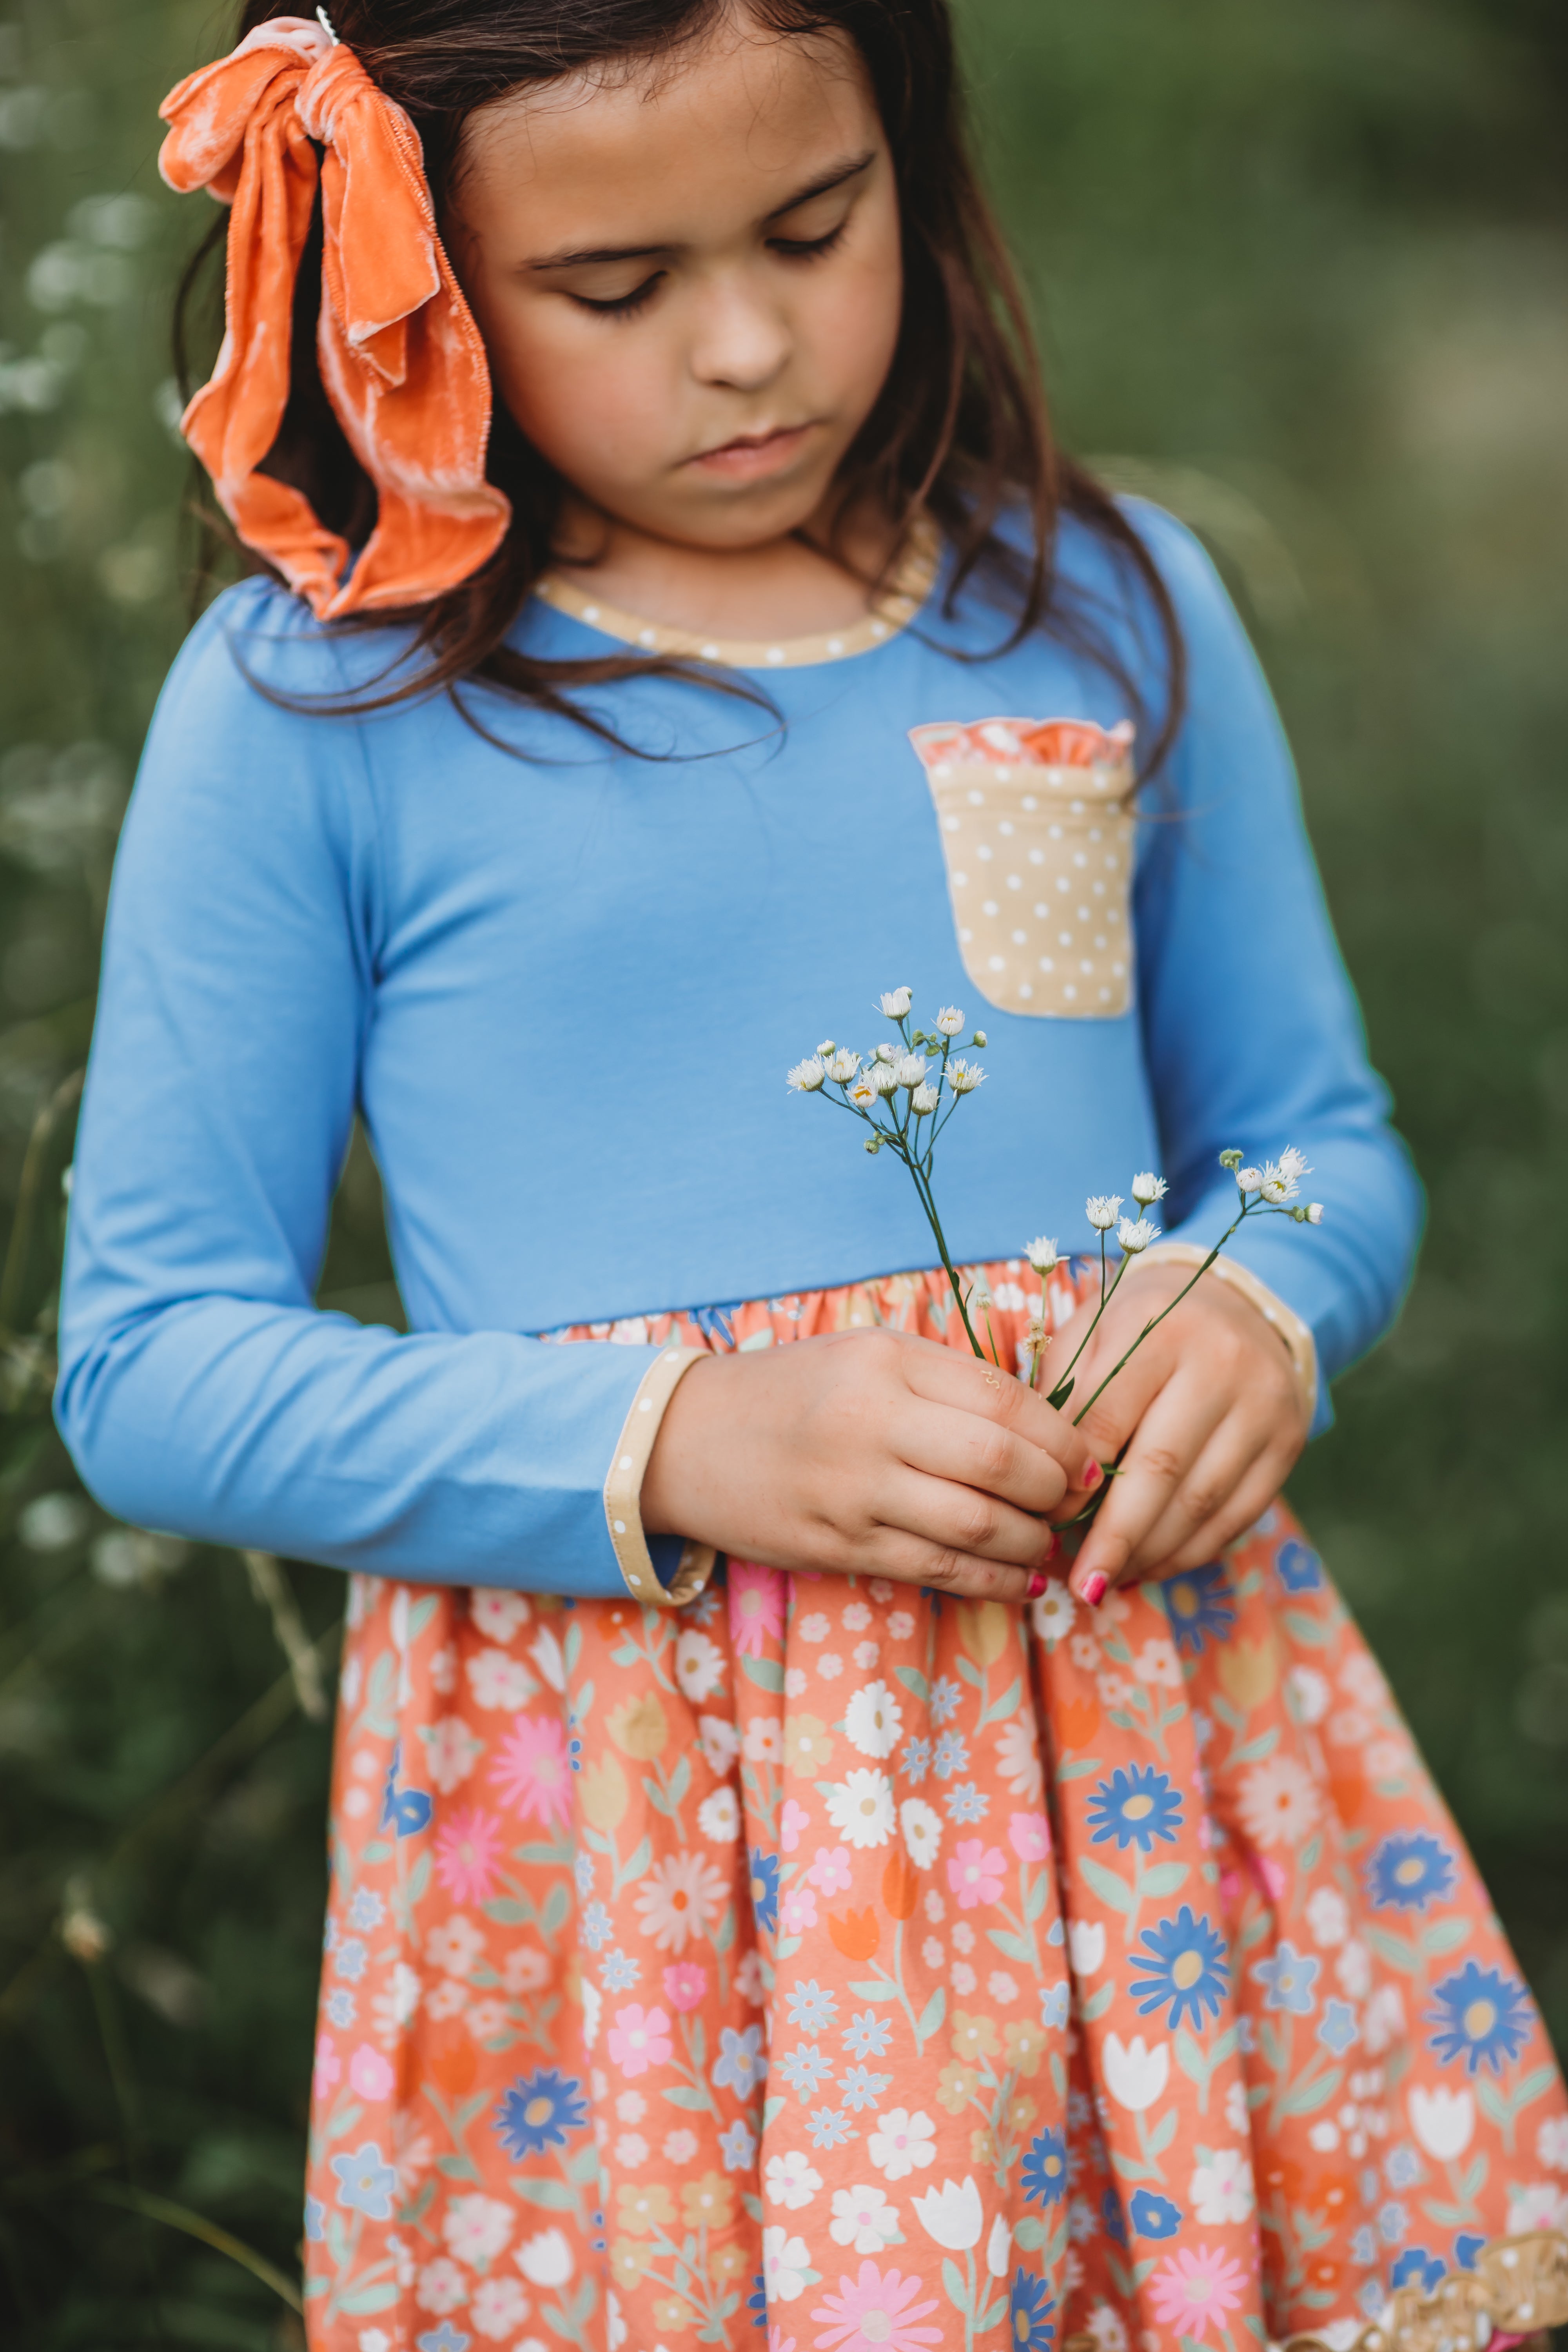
<point x="898" y="605"/>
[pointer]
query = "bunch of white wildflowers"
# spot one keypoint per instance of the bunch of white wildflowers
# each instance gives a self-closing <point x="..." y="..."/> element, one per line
<point x="905" y="1093"/>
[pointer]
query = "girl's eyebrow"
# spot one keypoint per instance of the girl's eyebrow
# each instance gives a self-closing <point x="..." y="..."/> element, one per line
<point x="833" y="177"/>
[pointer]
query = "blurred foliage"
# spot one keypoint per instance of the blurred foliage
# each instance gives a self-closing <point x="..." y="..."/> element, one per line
<point x="1303" y="275"/>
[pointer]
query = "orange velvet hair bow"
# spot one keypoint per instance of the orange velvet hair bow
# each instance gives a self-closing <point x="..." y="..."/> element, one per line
<point x="400" y="356"/>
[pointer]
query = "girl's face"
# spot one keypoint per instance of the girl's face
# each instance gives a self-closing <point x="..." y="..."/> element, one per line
<point x="688" y="282"/>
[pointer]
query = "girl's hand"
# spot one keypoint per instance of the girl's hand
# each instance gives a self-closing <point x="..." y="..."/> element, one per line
<point x="868" y="1453"/>
<point x="1215" y="1411"/>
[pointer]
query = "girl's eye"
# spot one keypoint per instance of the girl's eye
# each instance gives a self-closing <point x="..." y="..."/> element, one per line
<point x="807" y="248"/>
<point x="621" y="306"/>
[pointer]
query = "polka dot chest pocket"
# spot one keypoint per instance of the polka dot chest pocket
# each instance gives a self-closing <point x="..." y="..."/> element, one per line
<point x="1037" y="829"/>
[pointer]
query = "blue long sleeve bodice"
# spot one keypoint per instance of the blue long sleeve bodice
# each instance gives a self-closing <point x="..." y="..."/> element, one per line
<point x="563" y="988"/>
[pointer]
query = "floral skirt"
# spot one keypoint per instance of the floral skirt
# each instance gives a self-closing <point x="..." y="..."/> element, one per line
<point x="887" y="1973"/>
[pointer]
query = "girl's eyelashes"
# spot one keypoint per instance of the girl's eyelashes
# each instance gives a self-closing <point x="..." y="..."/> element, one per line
<point x="620" y="306"/>
<point x="791" y="248"/>
<point x="807" y="248"/>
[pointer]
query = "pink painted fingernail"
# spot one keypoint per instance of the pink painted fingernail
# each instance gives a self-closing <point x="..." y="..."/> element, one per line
<point x="1037" y="1584"/>
<point x="1093" y="1588"/>
<point x="1091" y="1478"/>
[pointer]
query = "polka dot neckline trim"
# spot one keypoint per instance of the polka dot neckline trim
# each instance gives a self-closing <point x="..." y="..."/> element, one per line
<point x="908" y="590"/>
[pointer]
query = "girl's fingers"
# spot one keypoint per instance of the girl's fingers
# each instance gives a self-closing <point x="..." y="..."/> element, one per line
<point x="961" y="1520"/>
<point x="971" y="1451"/>
<point x="943" y="1377"/>
<point x="1169" y="1439"/>
<point x="1205" y="1496"/>
<point x="907" y="1559"/>
<point x="1254" y="1493"/>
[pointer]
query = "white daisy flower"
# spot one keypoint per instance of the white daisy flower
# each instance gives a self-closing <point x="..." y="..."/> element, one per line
<point x="950" y="1020"/>
<point x="860" y="1808"/>
<point x="884" y="1076"/>
<point x="807" y="1077"/>
<point x="911" y="1069"/>
<point x="1041" y="1254"/>
<point x="1100" y="1210"/>
<point x="896" y="1002"/>
<point x="1148" y="1188"/>
<point x="841" y="1066"/>
<point x="1136" y="1237"/>
<point x="864" y="1095"/>
<point x="921" y="1826"/>
<point x="923" y="1101"/>
<point x="1249" y="1180"/>
<point x="964" y="1077"/>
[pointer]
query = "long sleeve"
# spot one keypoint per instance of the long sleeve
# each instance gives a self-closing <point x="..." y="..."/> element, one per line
<point x="1251" y="1030"/>
<point x="201" y="1391"/>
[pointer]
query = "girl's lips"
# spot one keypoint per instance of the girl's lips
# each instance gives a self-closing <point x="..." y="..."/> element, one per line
<point x="748" y="460"/>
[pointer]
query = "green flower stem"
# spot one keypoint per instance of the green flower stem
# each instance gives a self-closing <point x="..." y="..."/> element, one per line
<point x="1154" y="1323"/>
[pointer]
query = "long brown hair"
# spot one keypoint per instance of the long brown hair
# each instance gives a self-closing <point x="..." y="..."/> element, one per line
<point x="960" y="433"/>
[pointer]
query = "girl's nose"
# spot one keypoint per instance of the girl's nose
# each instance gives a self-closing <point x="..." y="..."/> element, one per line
<point x="741" y="341"/>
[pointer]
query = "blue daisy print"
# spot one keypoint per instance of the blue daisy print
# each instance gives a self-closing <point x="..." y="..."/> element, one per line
<point x="1046" y="2170"/>
<point x="1288" y="1979"/>
<point x="1201" y="1607"/>
<point x="1480" y="2017"/>
<point x="1408" y="1871"/>
<point x="1028" y="2327"/>
<point x="1466" y="2246"/>
<point x="1186" y="1966"/>
<point x="765" y="1888"/>
<point x="538" y="2112"/>
<point x="1417" y="2267"/>
<point x="1299" y="1568"/>
<point x="366" y="2182"/>
<point x="1154" y="2217"/>
<point x="1135" y="1806"/>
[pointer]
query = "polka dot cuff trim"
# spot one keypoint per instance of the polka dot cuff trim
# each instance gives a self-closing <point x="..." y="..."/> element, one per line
<point x="1296" y="1335"/>
<point x="910" y="586"/>
<point x="623" y="1490"/>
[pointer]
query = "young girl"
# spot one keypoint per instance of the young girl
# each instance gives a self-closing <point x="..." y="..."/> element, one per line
<point x="766" y="1893"/>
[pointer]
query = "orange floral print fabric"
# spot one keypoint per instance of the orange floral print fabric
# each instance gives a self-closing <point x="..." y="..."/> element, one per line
<point x="828" y="1965"/>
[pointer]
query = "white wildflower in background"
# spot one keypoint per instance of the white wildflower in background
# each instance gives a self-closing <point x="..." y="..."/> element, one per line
<point x="964" y="1077"/>
<point x="923" y="1101"/>
<point x="950" y="1020"/>
<point x="1135" y="1238"/>
<point x="1100" y="1210"/>
<point x="1042" y="1255"/>
<point x="841" y="1066"/>
<point x="807" y="1077"/>
<point x="896" y="1002"/>
<point x="911" y="1069"/>
<point x="1249" y="1180"/>
<point x="864" y="1094"/>
<point x="1148" y="1188"/>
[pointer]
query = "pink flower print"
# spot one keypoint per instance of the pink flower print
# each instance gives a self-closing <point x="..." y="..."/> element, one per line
<point x="329" y="2067"/>
<point x="685" y="1984"/>
<point x="756" y="1607"/>
<point x="1192" y="2287"/>
<point x="875" y="2312"/>
<point x="468" y="1855"/>
<point x="1029" y="1835"/>
<point x="830" y="1874"/>
<point x="1272" y="1879"/>
<point x="681" y="1898"/>
<point x="369" y="2075"/>
<point x="531" y="1770"/>
<point x="976" y="1872"/>
<point x="639" y="2038"/>
<point x="799" y="1910"/>
<point x="525" y="1970"/>
<point x="778" y="2341"/>
<point x="792" y="1819"/>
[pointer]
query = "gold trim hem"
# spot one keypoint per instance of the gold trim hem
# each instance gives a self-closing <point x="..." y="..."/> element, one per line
<point x="623" y="1490"/>
<point x="1518" y="2286"/>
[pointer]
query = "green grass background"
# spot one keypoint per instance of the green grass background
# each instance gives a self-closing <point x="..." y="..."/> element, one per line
<point x="1301" y="272"/>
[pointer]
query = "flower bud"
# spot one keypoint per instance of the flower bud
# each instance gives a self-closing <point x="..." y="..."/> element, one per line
<point x="979" y="1038"/>
<point x="896" y="1002"/>
<point x="1231" y="1160"/>
<point x="1314" y="1212"/>
<point x="1249" y="1180"/>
